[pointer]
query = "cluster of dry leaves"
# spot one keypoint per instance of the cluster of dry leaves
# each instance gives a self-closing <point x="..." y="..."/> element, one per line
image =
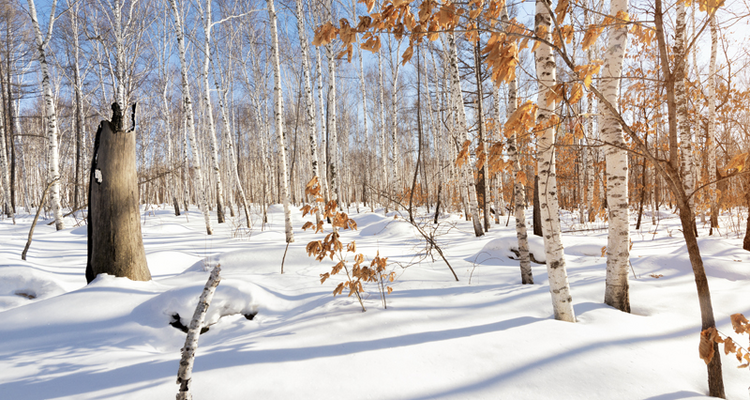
<point x="709" y="336"/>
<point x="331" y="246"/>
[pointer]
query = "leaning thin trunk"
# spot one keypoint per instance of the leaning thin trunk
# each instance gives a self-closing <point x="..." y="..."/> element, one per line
<point x="185" y="372"/>
<point x="50" y="112"/>
<point x="546" y="68"/>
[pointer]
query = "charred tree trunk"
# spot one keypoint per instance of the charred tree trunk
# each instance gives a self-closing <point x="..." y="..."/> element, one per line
<point x="115" y="244"/>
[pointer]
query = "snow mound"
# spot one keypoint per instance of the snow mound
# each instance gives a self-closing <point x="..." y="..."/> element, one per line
<point x="724" y="260"/>
<point x="497" y="250"/>
<point x="20" y="285"/>
<point x="231" y="297"/>
<point x="391" y="228"/>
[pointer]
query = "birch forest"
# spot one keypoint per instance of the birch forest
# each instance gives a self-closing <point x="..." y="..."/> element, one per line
<point x="601" y="111"/>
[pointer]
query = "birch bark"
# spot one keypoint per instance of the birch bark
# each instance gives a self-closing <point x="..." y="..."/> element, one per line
<point x="383" y="155"/>
<point x="546" y="78"/>
<point x="519" y="191"/>
<point x="309" y="101"/>
<point x="711" y="139"/>
<point x="230" y="147"/>
<point x="278" y="102"/>
<point x="681" y="97"/>
<point x="460" y="113"/>
<point x="53" y="154"/>
<point x="333" y="181"/>
<point x="207" y="18"/>
<point x="4" y="171"/>
<point x="616" y="292"/>
<point x="189" y="115"/>
<point x="185" y="372"/>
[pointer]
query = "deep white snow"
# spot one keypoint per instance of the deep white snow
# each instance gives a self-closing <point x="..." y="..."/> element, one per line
<point x="484" y="337"/>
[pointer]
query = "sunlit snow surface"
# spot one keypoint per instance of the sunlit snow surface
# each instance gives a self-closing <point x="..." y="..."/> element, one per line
<point x="484" y="337"/>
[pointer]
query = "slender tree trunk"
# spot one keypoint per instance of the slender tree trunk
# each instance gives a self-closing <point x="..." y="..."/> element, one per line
<point x="213" y="143"/>
<point x="519" y="191"/>
<point x="383" y="155"/>
<point x="681" y="98"/>
<point x="458" y="110"/>
<point x="4" y="171"/>
<point x="50" y="112"/>
<point x="546" y="69"/>
<point x="309" y="101"/>
<point x="482" y="142"/>
<point x="189" y="115"/>
<point x="278" y="118"/>
<point x="394" y="131"/>
<point x="185" y="372"/>
<point x="711" y="137"/>
<point x="616" y="292"/>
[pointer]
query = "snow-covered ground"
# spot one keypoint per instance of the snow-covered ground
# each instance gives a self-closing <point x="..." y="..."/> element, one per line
<point x="484" y="337"/>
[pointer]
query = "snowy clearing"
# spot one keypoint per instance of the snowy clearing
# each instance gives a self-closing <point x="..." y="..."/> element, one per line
<point x="484" y="337"/>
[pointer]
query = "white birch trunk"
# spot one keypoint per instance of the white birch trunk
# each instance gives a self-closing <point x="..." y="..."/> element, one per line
<point x="278" y="102"/>
<point x="333" y="180"/>
<point x="394" y="131"/>
<point x="681" y="97"/>
<point x="383" y="155"/>
<point x="562" y="302"/>
<point x="309" y="101"/>
<point x="185" y="372"/>
<point x="4" y="171"/>
<point x="711" y="139"/>
<point x="463" y="132"/>
<point x="189" y="115"/>
<point x="50" y="113"/>
<point x="207" y="18"/>
<point x="616" y="293"/>
<point x="363" y="89"/>
<point x="519" y="191"/>
<point x="323" y="126"/>
<point x="232" y="158"/>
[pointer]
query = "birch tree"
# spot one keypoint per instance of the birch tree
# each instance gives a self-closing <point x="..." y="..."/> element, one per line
<point x="616" y="293"/>
<point x="53" y="158"/>
<point x="278" y="114"/>
<point x="4" y="171"/>
<point x="207" y="19"/>
<point x="519" y="191"/>
<point x="457" y="104"/>
<point x="383" y="155"/>
<point x="562" y="302"/>
<point x="681" y="98"/>
<point x="189" y="115"/>
<point x="309" y="101"/>
<point x="711" y="135"/>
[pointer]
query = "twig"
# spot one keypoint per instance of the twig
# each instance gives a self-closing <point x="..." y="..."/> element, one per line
<point x="36" y="217"/>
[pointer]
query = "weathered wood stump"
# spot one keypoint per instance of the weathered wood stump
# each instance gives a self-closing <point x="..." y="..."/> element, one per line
<point x="115" y="244"/>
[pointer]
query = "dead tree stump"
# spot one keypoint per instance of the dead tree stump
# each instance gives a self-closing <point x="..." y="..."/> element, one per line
<point x="115" y="244"/>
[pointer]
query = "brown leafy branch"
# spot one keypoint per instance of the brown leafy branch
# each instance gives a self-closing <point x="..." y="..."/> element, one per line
<point x="709" y="336"/>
